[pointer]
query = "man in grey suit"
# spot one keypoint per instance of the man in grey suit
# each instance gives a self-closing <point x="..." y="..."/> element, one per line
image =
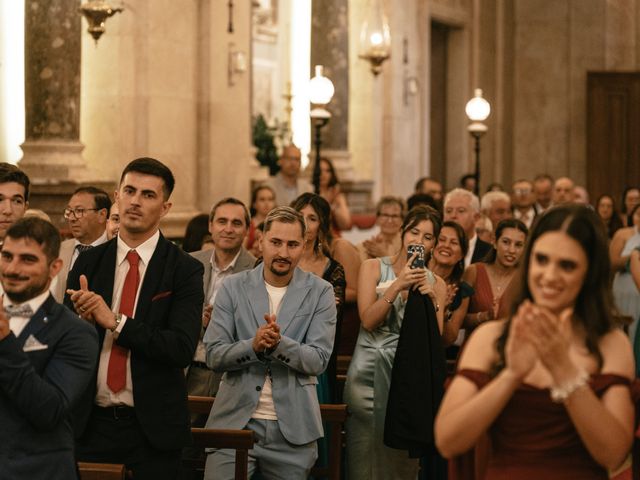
<point x="271" y="334"/>
<point x="87" y="214"/>
<point x="228" y="224"/>
<point x="47" y="358"/>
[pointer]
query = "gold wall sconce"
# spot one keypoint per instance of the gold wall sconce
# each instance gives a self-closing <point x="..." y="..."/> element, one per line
<point x="375" y="37"/>
<point x="96" y="12"/>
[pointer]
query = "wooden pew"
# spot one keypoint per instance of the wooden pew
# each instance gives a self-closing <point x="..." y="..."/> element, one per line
<point x="240" y="440"/>
<point x="101" y="471"/>
<point x="334" y="415"/>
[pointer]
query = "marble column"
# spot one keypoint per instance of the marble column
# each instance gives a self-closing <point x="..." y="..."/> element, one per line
<point x="330" y="48"/>
<point x="52" y="148"/>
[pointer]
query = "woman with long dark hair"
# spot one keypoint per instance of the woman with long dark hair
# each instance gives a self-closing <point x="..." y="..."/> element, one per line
<point x="550" y="383"/>
<point x="491" y="278"/>
<point x="263" y="200"/>
<point x="447" y="262"/>
<point x="383" y="288"/>
<point x="330" y="191"/>
<point x="606" y="208"/>
<point x="317" y="259"/>
<point x="630" y="199"/>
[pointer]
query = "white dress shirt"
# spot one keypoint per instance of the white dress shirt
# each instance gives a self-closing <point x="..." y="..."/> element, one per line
<point x="215" y="282"/>
<point x="17" y="324"/>
<point x="472" y="247"/>
<point x="104" y="396"/>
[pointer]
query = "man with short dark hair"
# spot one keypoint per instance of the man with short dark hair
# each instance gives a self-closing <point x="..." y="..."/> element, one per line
<point x="271" y="334"/>
<point x="14" y="196"/>
<point x="228" y="225"/>
<point x="47" y="358"/>
<point x="87" y="214"/>
<point x="144" y="295"/>
<point x="431" y="187"/>
<point x="287" y="183"/>
<point x="543" y="190"/>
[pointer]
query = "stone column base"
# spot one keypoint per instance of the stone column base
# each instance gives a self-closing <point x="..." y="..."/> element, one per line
<point x="53" y="161"/>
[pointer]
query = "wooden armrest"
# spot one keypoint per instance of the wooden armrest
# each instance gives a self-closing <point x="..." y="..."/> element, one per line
<point x="222" y="438"/>
<point x="101" y="471"/>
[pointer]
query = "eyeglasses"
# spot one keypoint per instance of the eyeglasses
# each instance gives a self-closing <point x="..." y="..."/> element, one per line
<point x="522" y="191"/>
<point x="389" y="216"/>
<point x="77" y="212"/>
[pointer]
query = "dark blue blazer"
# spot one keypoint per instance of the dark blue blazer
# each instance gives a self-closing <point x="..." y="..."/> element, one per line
<point x="38" y="390"/>
<point x="162" y="336"/>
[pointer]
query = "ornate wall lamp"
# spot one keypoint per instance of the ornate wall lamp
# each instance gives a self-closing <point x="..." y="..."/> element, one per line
<point x="477" y="109"/>
<point x="375" y="39"/>
<point x="96" y="12"/>
<point x="321" y="92"/>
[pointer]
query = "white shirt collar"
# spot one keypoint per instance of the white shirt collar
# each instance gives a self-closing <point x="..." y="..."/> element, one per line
<point x="145" y="250"/>
<point x="35" y="303"/>
<point x="231" y="265"/>
<point x="99" y="241"/>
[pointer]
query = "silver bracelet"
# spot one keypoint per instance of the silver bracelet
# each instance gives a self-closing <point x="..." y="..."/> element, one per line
<point x="561" y="392"/>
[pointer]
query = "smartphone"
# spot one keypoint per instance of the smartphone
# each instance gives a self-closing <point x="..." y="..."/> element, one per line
<point x="418" y="262"/>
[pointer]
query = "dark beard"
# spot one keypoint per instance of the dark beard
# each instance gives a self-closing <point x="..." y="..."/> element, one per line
<point x="27" y="294"/>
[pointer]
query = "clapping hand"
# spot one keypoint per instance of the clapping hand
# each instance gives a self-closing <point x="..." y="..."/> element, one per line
<point x="550" y="335"/>
<point x="91" y="306"/>
<point x="520" y="353"/>
<point x="267" y="335"/>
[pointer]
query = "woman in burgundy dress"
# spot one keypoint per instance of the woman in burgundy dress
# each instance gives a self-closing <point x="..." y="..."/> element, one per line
<point x="550" y="385"/>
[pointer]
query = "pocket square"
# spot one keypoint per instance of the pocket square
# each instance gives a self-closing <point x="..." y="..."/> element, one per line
<point x="161" y="295"/>
<point x="33" y="344"/>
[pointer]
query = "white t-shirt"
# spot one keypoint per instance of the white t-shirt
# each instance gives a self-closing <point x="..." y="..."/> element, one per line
<point x="265" y="409"/>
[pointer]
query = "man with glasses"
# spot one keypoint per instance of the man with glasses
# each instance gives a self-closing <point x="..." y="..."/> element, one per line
<point x="286" y="183"/>
<point x="523" y="199"/>
<point x="86" y="214"/>
<point x="14" y="196"/>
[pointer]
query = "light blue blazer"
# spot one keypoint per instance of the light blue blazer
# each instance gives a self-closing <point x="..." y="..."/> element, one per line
<point x="307" y="320"/>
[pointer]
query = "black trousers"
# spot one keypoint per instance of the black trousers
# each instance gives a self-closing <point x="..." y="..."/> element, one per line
<point x="113" y="435"/>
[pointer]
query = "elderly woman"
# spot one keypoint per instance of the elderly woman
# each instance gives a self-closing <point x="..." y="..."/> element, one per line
<point x="550" y="384"/>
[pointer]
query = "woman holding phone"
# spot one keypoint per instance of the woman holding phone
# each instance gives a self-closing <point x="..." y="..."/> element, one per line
<point x="383" y="286"/>
<point x="549" y="384"/>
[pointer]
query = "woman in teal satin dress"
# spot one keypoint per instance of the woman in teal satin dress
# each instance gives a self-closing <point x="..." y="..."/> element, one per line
<point x="382" y="291"/>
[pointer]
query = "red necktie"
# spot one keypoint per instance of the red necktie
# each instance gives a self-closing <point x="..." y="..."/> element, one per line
<point x="117" y="369"/>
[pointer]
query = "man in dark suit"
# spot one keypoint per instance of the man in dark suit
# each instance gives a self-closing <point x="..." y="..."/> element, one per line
<point x="47" y="358"/>
<point x="145" y="296"/>
<point x="228" y="224"/>
<point x="463" y="207"/>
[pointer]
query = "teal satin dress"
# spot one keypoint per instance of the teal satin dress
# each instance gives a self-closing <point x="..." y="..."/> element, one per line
<point x="366" y="392"/>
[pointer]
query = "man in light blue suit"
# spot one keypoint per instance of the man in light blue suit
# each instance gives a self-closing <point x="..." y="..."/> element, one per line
<point x="271" y="334"/>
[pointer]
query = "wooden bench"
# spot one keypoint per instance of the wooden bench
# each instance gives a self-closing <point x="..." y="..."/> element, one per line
<point x="334" y="415"/>
<point x="240" y="440"/>
<point x="101" y="471"/>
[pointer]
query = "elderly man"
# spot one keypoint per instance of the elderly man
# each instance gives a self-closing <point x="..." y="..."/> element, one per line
<point x="523" y="199"/>
<point x="563" y="191"/>
<point x="496" y="206"/>
<point x="462" y="206"/>
<point x="287" y="183"/>
<point x="271" y="334"/>
<point x="87" y="214"/>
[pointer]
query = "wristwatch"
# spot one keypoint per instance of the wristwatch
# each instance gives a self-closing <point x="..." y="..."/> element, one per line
<point x="118" y="319"/>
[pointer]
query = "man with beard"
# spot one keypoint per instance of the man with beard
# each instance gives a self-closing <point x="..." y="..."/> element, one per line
<point x="47" y="358"/>
<point x="271" y="334"/>
<point x="144" y="295"/>
<point x="87" y="214"/>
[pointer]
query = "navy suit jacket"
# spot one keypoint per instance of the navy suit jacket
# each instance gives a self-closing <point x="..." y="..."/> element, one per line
<point x="307" y="320"/>
<point x="39" y="388"/>
<point x="162" y="335"/>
